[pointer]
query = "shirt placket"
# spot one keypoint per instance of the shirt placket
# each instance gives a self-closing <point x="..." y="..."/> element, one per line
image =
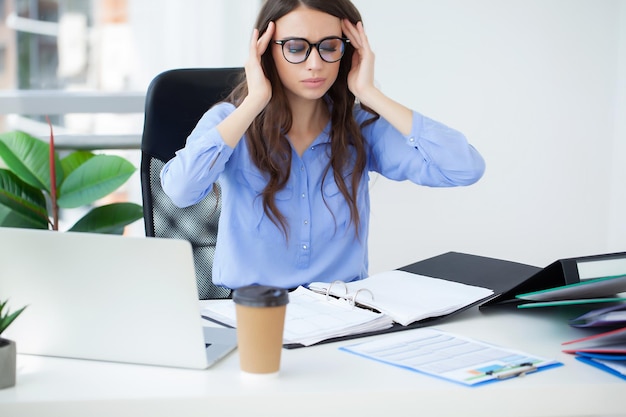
<point x="304" y="211"/>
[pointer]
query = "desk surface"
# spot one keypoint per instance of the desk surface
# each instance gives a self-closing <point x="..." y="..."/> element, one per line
<point x="323" y="381"/>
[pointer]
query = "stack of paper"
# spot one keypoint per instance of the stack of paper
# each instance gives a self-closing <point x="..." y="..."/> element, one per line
<point x="310" y="317"/>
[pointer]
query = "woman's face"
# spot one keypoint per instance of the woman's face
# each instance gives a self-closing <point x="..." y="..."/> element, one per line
<point x="312" y="78"/>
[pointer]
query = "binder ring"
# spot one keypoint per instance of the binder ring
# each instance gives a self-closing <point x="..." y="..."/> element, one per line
<point x="345" y="289"/>
<point x="356" y="294"/>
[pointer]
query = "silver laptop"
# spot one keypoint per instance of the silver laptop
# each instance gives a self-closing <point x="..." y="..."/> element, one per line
<point x="105" y="297"/>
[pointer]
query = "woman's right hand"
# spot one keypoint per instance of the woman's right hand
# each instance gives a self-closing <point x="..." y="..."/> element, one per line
<point x="233" y="127"/>
<point x="259" y="87"/>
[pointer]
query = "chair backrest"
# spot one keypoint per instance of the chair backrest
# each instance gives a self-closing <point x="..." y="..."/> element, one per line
<point x="175" y="101"/>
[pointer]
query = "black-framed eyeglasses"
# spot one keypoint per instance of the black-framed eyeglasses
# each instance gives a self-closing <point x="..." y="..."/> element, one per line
<point x="297" y="50"/>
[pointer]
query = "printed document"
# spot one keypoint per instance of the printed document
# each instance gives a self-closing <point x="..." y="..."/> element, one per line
<point x="451" y="357"/>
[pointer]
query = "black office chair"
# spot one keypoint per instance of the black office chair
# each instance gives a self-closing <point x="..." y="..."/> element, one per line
<point x="175" y="101"/>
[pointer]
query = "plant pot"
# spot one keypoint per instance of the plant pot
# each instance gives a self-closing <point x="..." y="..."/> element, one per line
<point x="8" y="357"/>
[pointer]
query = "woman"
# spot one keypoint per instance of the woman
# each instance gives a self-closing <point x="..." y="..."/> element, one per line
<point x="292" y="149"/>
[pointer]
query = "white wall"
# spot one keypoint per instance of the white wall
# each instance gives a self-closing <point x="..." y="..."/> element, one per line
<point x="191" y="33"/>
<point x="617" y="203"/>
<point x="538" y="86"/>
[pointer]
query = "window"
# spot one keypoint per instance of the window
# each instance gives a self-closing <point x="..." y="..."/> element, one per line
<point x="112" y="46"/>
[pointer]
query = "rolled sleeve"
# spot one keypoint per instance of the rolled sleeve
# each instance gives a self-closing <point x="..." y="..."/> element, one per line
<point x="440" y="156"/>
<point x="451" y="159"/>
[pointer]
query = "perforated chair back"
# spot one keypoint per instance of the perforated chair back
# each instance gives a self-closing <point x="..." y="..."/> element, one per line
<point x="175" y="101"/>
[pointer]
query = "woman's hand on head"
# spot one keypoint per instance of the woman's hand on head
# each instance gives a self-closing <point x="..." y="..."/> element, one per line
<point x="361" y="76"/>
<point x="361" y="81"/>
<point x="259" y="87"/>
<point x="234" y="126"/>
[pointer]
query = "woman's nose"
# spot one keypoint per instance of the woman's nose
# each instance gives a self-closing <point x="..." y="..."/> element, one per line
<point x="314" y="60"/>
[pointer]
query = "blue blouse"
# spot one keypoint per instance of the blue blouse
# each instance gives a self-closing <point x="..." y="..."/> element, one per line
<point x="322" y="244"/>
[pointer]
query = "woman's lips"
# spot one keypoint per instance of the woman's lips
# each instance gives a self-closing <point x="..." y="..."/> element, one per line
<point x="313" y="82"/>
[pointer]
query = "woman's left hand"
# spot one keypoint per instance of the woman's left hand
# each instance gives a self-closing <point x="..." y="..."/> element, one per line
<point x="361" y="76"/>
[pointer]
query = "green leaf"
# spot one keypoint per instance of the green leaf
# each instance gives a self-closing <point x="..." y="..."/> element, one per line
<point x="6" y="318"/>
<point x="74" y="160"/>
<point x="96" y="178"/>
<point x="28" y="157"/>
<point x="23" y="205"/>
<point x="12" y="218"/>
<point x="111" y="218"/>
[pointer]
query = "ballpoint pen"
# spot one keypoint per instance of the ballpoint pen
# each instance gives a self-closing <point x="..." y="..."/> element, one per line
<point x="512" y="371"/>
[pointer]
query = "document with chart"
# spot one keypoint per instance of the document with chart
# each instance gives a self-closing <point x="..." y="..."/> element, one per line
<point x="455" y="358"/>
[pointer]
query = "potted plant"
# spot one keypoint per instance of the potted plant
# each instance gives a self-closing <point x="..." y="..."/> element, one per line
<point x="8" y="353"/>
<point x="37" y="183"/>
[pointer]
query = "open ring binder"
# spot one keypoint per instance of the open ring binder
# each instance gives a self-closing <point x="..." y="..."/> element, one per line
<point x="383" y="302"/>
<point x="360" y="290"/>
<point x="352" y="299"/>
<point x="328" y="290"/>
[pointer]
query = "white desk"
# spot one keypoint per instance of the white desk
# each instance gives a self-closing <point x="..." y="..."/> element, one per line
<point x="323" y="381"/>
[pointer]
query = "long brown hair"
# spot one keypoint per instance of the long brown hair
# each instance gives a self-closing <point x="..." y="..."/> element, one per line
<point x="266" y="137"/>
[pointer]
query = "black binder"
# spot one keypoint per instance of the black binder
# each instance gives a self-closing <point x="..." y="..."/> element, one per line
<point x="507" y="279"/>
<point x="561" y="272"/>
<point x="496" y="274"/>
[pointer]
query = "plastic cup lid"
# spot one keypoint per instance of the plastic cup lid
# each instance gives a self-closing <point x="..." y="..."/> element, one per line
<point x="261" y="296"/>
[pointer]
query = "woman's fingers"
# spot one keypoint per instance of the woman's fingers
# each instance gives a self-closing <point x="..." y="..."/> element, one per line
<point x="259" y="87"/>
<point x="265" y="39"/>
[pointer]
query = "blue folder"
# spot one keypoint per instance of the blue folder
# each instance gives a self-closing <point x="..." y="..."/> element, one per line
<point x="592" y="359"/>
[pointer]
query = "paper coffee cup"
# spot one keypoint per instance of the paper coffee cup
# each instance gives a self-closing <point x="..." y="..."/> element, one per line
<point x="260" y="322"/>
